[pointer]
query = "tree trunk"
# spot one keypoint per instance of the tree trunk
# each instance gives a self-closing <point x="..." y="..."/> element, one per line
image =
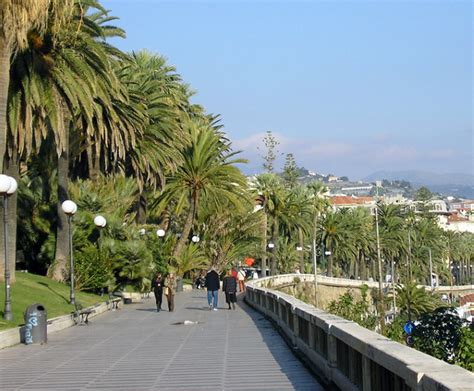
<point x="274" y="270"/>
<point x="5" y="54"/>
<point x="301" y="244"/>
<point x="264" y="243"/>
<point x="362" y="267"/>
<point x="93" y="163"/>
<point x="11" y="169"/>
<point x="186" y="229"/>
<point x="58" y="269"/>
<point x="142" y="208"/>
<point x="330" y="260"/>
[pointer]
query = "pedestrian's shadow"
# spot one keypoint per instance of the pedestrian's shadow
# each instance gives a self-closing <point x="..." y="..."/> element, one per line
<point x="148" y="309"/>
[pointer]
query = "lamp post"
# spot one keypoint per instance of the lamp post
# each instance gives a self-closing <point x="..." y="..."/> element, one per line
<point x="70" y="208"/>
<point x="100" y="222"/>
<point x="8" y="186"/>
<point x="315" y="270"/>
<point x="379" y="260"/>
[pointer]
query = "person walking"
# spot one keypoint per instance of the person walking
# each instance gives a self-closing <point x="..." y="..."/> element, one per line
<point x="170" y="290"/>
<point x="241" y="279"/>
<point x="157" y="286"/>
<point x="229" y="286"/>
<point x="212" y="285"/>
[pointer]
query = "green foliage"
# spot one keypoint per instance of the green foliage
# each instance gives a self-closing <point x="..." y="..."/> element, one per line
<point x="415" y="301"/>
<point x="395" y="330"/>
<point x="465" y="354"/>
<point x="93" y="269"/>
<point x="439" y="334"/>
<point x="358" y="311"/>
<point x="271" y="144"/>
<point x="290" y="171"/>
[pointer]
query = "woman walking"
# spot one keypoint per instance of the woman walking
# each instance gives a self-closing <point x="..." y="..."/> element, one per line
<point x="170" y="290"/>
<point x="157" y="286"/>
<point x="229" y="287"/>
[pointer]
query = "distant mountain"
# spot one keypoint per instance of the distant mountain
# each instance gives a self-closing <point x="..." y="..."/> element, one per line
<point x="456" y="184"/>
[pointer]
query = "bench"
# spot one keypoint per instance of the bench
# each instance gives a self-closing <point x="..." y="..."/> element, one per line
<point x="81" y="315"/>
<point x="114" y="304"/>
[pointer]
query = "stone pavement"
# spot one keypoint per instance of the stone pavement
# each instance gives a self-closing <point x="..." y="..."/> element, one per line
<point x="137" y="348"/>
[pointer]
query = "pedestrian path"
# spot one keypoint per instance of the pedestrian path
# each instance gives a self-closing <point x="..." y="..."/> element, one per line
<point x="137" y="348"/>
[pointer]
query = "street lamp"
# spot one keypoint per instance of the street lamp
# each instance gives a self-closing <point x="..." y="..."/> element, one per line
<point x="160" y="233"/>
<point x="379" y="260"/>
<point x="271" y="245"/>
<point x="70" y="208"/>
<point x="195" y="239"/>
<point x="8" y="186"/>
<point x="142" y="231"/>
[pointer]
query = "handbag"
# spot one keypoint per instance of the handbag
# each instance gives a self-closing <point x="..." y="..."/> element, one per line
<point x="166" y="290"/>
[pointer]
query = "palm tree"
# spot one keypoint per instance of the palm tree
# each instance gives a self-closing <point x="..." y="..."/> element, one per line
<point x="208" y="172"/>
<point x="17" y="19"/>
<point x="267" y="191"/>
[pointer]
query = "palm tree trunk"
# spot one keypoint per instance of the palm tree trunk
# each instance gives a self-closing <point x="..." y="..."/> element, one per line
<point x="93" y="163"/>
<point x="274" y="270"/>
<point x="264" y="244"/>
<point x="58" y="270"/>
<point x="362" y="267"/>
<point x="142" y="208"/>
<point x="301" y="244"/>
<point x="12" y="169"/>
<point x="187" y="228"/>
<point x="5" y="54"/>
<point x="330" y="260"/>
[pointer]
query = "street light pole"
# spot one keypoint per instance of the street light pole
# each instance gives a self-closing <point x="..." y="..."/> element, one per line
<point x="8" y="186"/>
<point x="315" y="268"/>
<point x="70" y="208"/>
<point x="379" y="261"/>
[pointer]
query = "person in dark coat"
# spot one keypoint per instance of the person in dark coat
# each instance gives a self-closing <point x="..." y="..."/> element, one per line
<point x="229" y="286"/>
<point x="157" y="286"/>
<point x="212" y="285"/>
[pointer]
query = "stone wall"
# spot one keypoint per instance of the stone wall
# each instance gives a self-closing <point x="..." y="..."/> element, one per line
<point x="346" y="355"/>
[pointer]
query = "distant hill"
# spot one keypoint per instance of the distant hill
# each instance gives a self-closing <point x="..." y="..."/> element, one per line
<point x="456" y="184"/>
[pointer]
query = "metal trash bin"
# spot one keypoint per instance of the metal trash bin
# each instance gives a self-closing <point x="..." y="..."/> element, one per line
<point x="179" y="285"/>
<point x="36" y="323"/>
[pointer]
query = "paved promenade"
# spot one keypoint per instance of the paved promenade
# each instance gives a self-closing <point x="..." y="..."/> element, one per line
<point x="137" y="348"/>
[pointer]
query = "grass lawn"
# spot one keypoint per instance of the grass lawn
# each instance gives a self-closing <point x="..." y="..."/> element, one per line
<point x="31" y="288"/>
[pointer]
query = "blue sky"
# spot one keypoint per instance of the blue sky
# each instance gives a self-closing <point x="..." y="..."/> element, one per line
<point x="348" y="87"/>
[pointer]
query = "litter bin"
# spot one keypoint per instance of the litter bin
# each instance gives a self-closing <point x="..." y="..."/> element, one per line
<point x="179" y="285"/>
<point x="36" y="322"/>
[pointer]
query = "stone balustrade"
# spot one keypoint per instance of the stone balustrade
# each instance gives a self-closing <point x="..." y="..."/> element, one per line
<point x="346" y="355"/>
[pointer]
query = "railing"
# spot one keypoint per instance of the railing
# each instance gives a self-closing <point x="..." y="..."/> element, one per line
<point x="347" y="355"/>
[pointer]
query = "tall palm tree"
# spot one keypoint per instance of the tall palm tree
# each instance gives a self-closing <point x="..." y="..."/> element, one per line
<point x="17" y="19"/>
<point x="208" y="172"/>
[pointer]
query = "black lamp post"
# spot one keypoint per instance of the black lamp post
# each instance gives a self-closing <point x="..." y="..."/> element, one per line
<point x="8" y="186"/>
<point x="70" y="208"/>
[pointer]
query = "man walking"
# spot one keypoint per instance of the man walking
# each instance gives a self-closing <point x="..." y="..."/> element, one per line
<point x="212" y="285"/>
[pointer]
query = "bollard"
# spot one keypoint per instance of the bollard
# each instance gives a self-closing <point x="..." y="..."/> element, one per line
<point x="36" y="322"/>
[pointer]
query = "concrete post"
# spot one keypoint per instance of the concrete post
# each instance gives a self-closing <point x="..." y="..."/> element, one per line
<point x="366" y="379"/>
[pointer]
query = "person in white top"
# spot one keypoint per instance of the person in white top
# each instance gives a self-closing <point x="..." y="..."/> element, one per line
<point x="241" y="279"/>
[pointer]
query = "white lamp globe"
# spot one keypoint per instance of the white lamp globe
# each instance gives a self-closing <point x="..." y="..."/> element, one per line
<point x="13" y="186"/>
<point x="160" y="232"/>
<point x="299" y="248"/>
<point x="69" y="207"/>
<point x="271" y="245"/>
<point x="100" y="221"/>
<point x="5" y="183"/>
<point x="195" y="238"/>
<point x="142" y="231"/>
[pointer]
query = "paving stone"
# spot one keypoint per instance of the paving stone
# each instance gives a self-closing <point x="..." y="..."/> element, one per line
<point x="137" y="348"/>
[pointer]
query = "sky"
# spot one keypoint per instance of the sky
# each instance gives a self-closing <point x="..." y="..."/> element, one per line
<point x="347" y="87"/>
